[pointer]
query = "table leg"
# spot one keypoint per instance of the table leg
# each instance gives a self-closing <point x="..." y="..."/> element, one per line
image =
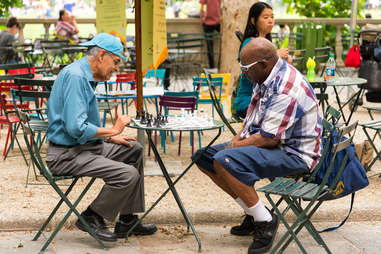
<point x="171" y="187"/>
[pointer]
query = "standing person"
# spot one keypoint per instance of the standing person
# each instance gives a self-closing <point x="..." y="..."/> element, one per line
<point x="66" y="27"/>
<point x="210" y="23"/>
<point x="78" y="146"/>
<point x="7" y="38"/>
<point x="280" y="137"/>
<point x="260" y="22"/>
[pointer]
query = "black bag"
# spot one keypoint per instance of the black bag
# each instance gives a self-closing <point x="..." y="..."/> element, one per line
<point x="371" y="71"/>
<point x="377" y="50"/>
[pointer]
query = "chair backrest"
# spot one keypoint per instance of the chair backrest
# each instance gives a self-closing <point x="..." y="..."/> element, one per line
<point x="204" y="93"/>
<point x="321" y="57"/>
<point x="177" y="103"/>
<point x="216" y="102"/>
<point x="159" y="74"/>
<point x="200" y="82"/>
<point x="126" y="78"/>
<point x="33" y="149"/>
<point x="298" y="58"/>
<point x="12" y="71"/>
<point x="331" y="149"/>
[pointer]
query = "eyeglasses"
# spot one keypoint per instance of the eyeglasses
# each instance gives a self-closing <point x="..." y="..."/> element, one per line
<point x="115" y="60"/>
<point x="245" y="68"/>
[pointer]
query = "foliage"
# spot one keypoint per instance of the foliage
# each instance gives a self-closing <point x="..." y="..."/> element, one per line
<point x="6" y="5"/>
<point x="322" y="8"/>
<point x="325" y="9"/>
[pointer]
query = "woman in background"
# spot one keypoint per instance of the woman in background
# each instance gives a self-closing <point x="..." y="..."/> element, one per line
<point x="260" y="22"/>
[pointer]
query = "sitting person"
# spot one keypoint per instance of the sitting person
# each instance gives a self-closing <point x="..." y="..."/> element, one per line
<point x="260" y="22"/>
<point x="7" y="38"/>
<point x="78" y="146"/>
<point x="66" y="27"/>
<point x="280" y="137"/>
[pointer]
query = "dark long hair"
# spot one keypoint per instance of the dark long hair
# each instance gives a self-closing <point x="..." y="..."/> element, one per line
<point x="13" y="22"/>
<point x="61" y="13"/>
<point x="251" y="30"/>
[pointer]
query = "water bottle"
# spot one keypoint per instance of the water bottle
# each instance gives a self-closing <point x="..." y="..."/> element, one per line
<point x="330" y="68"/>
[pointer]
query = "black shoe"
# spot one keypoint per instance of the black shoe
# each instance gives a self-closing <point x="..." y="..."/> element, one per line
<point x="246" y="227"/>
<point x="121" y="228"/>
<point x="98" y="225"/>
<point x="264" y="235"/>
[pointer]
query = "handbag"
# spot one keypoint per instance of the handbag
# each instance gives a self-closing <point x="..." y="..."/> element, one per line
<point x="352" y="179"/>
<point x="377" y="50"/>
<point x="353" y="57"/>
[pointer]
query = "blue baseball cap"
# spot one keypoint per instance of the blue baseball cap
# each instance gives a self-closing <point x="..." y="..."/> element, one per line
<point x="107" y="42"/>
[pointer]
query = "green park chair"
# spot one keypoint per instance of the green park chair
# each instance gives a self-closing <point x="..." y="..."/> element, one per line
<point x="217" y="82"/>
<point x="292" y="192"/>
<point x="34" y="152"/>
<point x="375" y="127"/>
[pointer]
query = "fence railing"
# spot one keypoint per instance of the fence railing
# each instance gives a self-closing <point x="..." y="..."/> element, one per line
<point x="193" y="25"/>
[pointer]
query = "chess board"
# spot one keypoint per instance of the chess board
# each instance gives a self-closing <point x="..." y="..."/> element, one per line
<point x="176" y="122"/>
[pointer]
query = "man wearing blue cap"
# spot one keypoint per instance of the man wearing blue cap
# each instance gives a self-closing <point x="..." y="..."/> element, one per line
<point x="78" y="146"/>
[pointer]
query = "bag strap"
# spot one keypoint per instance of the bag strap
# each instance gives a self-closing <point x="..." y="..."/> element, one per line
<point x="342" y="223"/>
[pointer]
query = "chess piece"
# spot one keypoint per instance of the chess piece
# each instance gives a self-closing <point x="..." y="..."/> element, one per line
<point x="137" y="115"/>
<point x="149" y="122"/>
<point x="144" y="119"/>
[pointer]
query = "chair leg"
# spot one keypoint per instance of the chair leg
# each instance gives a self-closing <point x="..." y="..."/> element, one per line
<point x="6" y="142"/>
<point x="54" y="210"/>
<point x="73" y="209"/>
<point x="179" y="151"/>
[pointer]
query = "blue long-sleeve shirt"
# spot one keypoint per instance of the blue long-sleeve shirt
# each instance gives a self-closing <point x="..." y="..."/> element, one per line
<point x="72" y="107"/>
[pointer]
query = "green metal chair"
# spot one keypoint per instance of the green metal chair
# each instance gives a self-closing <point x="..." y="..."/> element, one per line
<point x="217" y="82"/>
<point x="292" y="191"/>
<point x="375" y="127"/>
<point x="34" y="151"/>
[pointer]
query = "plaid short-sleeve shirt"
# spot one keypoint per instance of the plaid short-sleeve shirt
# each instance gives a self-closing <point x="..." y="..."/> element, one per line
<point x="285" y="107"/>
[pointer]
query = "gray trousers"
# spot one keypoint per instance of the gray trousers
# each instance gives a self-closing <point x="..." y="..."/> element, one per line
<point x="120" y="167"/>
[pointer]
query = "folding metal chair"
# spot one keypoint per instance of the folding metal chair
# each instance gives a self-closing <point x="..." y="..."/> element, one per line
<point x="375" y="127"/>
<point x="34" y="151"/>
<point x="292" y="191"/>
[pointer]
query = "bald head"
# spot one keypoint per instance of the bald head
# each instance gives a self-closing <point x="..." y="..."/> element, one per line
<point x="263" y="52"/>
<point x="258" y="48"/>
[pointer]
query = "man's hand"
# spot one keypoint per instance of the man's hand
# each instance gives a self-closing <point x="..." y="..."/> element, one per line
<point x="121" y="140"/>
<point x="120" y="123"/>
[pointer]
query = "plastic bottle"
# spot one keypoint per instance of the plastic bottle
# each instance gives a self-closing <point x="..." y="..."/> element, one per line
<point x="330" y="68"/>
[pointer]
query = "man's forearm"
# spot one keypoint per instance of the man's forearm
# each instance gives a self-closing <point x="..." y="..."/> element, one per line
<point x="256" y="140"/>
<point x="106" y="132"/>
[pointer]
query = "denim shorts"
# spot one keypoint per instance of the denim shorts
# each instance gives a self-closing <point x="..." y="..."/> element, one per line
<point x="250" y="163"/>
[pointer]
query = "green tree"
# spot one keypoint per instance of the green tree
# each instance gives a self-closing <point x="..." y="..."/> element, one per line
<point x="322" y="8"/>
<point x="5" y="6"/>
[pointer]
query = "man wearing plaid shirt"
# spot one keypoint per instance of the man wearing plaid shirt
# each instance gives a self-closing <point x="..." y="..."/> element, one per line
<point x="280" y="137"/>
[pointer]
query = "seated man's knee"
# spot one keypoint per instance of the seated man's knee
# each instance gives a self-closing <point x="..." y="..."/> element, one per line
<point x="128" y="177"/>
<point x="139" y="148"/>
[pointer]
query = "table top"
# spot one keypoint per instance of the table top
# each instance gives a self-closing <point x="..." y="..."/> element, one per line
<point x="341" y="81"/>
<point x="178" y="123"/>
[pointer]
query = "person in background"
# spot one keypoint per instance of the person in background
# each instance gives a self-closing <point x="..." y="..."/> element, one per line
<point x="260" y="22"/>
<point x="66" y="27"/>
<point x="7" y="38"/>
<point x="210" y="23"/>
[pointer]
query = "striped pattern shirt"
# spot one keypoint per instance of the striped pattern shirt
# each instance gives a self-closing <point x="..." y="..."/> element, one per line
<point x="65" y="29"/>
<point x="285" y="107"/>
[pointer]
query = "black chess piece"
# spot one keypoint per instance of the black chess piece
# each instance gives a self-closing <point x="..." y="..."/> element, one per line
<point x="137" y="115"/>
<point x="149" y="122"/>
<point x="144" y="119"/>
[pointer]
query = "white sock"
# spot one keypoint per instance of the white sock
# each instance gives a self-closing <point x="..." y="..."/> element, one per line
<point x="242" y="204"/>
<point x="259" y="212"/>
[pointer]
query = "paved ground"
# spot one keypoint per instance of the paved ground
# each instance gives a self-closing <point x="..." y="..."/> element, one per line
<point x="25" y="208"/>
<point x="354" y="238"/>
